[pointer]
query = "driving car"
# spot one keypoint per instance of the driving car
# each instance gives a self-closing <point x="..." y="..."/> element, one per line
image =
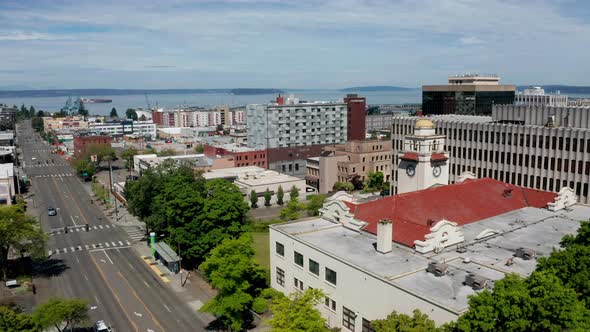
<point x="101" y="326"/>
<point x="51" y="211"/>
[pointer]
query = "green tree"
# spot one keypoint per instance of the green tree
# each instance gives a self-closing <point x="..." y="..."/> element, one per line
<point x="199" y="148"/>
<point x="84" y="166"/>
<point x="19" y="234"/>
<point x="292" y="210"/>
<point x="103" y="153"/>
<point x="314" y="204"/>
<point x="346" y="186"/>
<point x="128" y="155"/>
<point x="267" y="197"/>
<point x="418" y="322"/>
<point x="280" y="196"/>
<point x="294" y="193"/>
<point x="374" y="181"/>
<point x="131" y="114"/>
<point x="32" y="111"/>
<point x="12" y="321"/>
<point x="40" y="114"/>
<point x="56" y="312"/>
<point x="253" y="199"/>
<point x="298" y="313"/>
<point x="232" y="270"/>
<point x="114" y="113"/>
<point x="166" y="152"/>
<point x="37" y="124"/>
<point x="538" y="303"/>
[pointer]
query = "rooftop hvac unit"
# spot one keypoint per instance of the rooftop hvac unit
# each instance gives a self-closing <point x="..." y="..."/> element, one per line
<point x="476" y="281"/>
<point x="438" y="269"/>
<point x="525" y="253"/>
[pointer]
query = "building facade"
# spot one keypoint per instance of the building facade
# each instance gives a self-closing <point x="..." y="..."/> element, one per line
<point x="138" y="128"/>
<point x="536" y="96"/>
<point x="220" y="116"/>
<point x="531" y="155"/>
<point x="344" y="162"/>
<point x="242" y="156"/>
<point x="82" y="140"/>
<point x="466" y="94"/>
<point x="356" y="115"/>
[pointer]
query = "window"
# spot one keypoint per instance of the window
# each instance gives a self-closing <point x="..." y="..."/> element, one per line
<point x="348" y="318"/>
<point x="330" y="274"/>
<point x="280" y="249"/>
<point x="314" y="267"/>
<point x="280" y="277"/>
<point x="298" y="284"/>
<point x="298" y="259"/>
<point x="330" y="304"/>
<point x="367" y="326"/>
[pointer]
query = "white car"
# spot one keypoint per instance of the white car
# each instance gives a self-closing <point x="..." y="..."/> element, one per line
<point x="101" y="326"/>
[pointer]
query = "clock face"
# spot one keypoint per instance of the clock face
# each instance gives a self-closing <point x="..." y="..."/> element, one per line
<point x="410" y="170"/>
<point x="436" y="171"/>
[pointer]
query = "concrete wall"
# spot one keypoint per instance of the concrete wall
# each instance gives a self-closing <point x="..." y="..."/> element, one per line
<point x="328" y="172"/>
<point x="368" y="295"/>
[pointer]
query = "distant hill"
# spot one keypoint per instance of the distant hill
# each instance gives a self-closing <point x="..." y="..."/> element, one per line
<point x="255" y="91"/>
<point x="377" y="88"/>
<point x="565" y="89"/>
<point x="7" y="93"/>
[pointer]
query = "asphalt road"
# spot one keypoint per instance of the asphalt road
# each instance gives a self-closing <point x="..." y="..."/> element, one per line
<point x="98" y="265"/>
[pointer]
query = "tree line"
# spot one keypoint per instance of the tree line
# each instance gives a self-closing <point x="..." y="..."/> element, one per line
<point x="57" y="313"/>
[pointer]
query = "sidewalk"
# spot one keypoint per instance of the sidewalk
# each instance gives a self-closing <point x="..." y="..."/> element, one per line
<point x="195" y="292"/>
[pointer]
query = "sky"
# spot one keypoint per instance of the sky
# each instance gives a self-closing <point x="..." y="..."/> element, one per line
<point x="310" y="44"/>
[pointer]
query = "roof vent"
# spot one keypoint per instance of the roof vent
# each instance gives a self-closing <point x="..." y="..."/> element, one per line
<point x="476" y="281"/>
<point x="525" y="253"/>
<point x="438" y="269"/>
<point x="507" y="192"/>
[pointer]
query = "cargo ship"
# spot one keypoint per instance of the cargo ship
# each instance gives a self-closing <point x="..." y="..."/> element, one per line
<point x="96" y="100"/>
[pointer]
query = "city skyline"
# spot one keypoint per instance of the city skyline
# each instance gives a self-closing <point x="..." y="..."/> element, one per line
<point x="303" y="44"/>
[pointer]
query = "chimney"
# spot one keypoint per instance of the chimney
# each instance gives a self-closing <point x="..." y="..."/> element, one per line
<point x="384" y="236"/>
<point x="280" y="100"/>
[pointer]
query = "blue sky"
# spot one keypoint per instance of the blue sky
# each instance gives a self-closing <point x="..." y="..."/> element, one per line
<point x="289" y="44"/>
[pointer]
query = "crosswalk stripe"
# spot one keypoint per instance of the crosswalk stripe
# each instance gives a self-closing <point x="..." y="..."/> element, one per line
<point x="73" y="249"/>
<point x="107" y="244"/>
<point x="49" y="253"/>
<point x="107" y="226"/>
<point x="94" y="227"/>
<point x="79" y="247"/>
<point x="77" y="229"/>
<point x="128" y="243"/>
<point x="100" y="226"/>
<point x="86" y="246"/>
<point x="65" y="249"/>
<point x="93" y="245"/>
<point x="120" y="243"/>
<point x="114" y="244"/>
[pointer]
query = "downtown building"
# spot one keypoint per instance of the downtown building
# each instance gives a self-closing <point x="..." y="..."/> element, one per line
<point x="536" y="96"/>
<point x="292" y="130"/>
<point x="539" y="147"/>
<point x="146" y="129"/>
<point x="471" y="94"/>
<point x="220" y="116"/>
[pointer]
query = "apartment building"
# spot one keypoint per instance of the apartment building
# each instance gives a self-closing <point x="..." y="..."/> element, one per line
<point x="69" y="122"/>
<point x="471" y="94"/>
<point x="343" y="162"/>
<point x="293" y="130"/>
<point x="536" y="96"/>
<point x="540" y="147"/>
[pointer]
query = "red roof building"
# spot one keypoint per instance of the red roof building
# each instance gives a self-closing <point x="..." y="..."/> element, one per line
<point x="414" y="213"/>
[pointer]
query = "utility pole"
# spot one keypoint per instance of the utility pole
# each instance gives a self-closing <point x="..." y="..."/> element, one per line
<point x="111" y="188"/>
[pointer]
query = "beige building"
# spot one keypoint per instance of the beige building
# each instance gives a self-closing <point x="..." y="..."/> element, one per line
<point x="70" y="122"/>
<point x="341" y="162"/>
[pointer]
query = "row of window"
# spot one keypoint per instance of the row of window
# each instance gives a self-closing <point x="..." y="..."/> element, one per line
<point x="261" y="156"/>
<point x="313" y="266"/>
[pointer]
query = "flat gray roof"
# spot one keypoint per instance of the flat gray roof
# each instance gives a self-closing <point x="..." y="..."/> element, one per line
<point x="538" y="229"/>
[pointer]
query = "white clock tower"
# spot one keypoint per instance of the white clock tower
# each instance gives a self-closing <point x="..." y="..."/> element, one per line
<point x="423" y="162"/>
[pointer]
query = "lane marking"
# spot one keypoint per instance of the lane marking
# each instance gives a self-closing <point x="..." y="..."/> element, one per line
<point x="140" y="300"/>
<point x="77" y="260"/>
<point x="86" y="277"/>
<point x="106" y="244"/>
<point x="100" y="226"/>
<point x="146" y="284"/>
<point x="114" y="244"/>
<point x="120" y="243"/>
<point x="165" y="306"/>
<point x="114" y="294"/>
<point x="110" y="260"/>
<point x="96" y="298"/>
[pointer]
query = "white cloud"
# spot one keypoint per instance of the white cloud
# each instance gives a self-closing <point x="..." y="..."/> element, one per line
<point x="30" y="35"/>
<point x="471" y="40"/>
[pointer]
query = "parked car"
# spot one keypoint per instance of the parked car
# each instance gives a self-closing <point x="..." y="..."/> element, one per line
<point x="132" y="177"/>
<point x="51" y="211"/>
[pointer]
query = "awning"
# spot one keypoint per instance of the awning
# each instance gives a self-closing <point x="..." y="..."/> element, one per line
<point x="411" y="156"/>
<point x="166" y="253"/>
<point x="438" y="157"/>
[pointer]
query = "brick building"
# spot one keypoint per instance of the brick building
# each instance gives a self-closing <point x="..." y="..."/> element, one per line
<point x="243" y="156"/>
<point x="82" y="140"/>
<point x="356" y="117"/>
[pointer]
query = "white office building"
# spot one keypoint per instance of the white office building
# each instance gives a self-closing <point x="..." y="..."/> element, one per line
<point x="292" y="122"/>
<point x="428" y="249"/>
<point x="145" y="129"/>
<point x="536" y="96"/>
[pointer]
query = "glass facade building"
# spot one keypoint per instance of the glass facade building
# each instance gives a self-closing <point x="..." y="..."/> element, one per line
<point x="464" y="102"/>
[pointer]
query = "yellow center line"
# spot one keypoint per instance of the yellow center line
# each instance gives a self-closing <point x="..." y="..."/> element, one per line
<point x="114" y="294"/>
<point x="139" y="299"/>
